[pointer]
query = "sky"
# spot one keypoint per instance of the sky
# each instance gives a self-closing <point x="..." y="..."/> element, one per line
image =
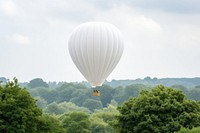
<point x="161" y="37"/>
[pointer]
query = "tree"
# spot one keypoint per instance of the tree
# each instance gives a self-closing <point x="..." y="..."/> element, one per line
<point x="41" y="102"/>
<point x="103" y="118"/>
<point x="194" y="94"/>
<point x="181" y="87"/>
<point x="92" y="104"/>
<point x="53" y="108"/>
<point x="37" y="82"/>
<point x="160" y="110"/>
<point x="79" y="96"/>
<point x="63" y="107"/>
<point x="106" y="94"/>
<point x="193" y="130"/>
<point x="45" y="93"/>
<point x="64" y="93"/>
<point x="99" y="126"/>
<point x="76" y="122"/>
<point x="133" y="90"/>
<point x="119" y="95"/>
<point x="122" y="94"/>
<point x="50" y="124"/>
<point x="18" y="110"/>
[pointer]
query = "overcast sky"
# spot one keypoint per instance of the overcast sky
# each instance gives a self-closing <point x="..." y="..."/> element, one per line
<point x="162" y="37"/>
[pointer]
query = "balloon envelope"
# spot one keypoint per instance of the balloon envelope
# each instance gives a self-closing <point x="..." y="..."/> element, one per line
<point x="95" y="48"/>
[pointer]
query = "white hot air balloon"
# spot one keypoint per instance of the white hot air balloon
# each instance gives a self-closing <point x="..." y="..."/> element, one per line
<point x="96" y="48"/>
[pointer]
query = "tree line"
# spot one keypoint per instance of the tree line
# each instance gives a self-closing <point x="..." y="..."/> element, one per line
<point x="70" y="107"/>
<point x="80" y="94"/>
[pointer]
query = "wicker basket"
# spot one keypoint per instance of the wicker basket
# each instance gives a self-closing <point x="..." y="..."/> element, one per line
<point x="96" y="93"/>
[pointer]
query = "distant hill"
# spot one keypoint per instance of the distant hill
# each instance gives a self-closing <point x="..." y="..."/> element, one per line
<point x="3" y="79"/>
<point x="187" y="82"/>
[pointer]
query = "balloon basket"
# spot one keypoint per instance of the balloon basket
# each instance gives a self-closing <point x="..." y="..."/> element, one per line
<point x="96" y="93"/>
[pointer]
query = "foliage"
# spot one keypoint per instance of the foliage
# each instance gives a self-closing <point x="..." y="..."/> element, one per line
<point x="54" y="108"/>
<point x="106" y="94"/>
<point x="107" y="114"/>
<point x="103" y="118"/>
<point x="18" y="110"/>
<point x="193" y="130"/>
<point x="65" y="93"/>
<point x="100" y="126"/>
<point x="92" y="104"/>
<point x="187" y="82"/>
<point x="63" y="107"/>
<point x="37" y="82"/>
<point x="122" y="94"/>
<point x="41" y="102"/>
<point x="194" y="94"/>
<point x="160" y="110"/>
<point x="76" y="122"/>
<point x="80" y="94"/>
<point x="50" y="124"/>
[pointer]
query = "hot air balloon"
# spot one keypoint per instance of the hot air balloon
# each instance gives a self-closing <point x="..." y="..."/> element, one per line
<point x="96" y="48"/>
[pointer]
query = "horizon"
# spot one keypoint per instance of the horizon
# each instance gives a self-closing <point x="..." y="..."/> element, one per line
<point x="104" y="81"/>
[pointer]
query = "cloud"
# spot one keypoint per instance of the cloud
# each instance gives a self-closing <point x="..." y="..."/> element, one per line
<point x="170" y="6"/>
<point x="18" y="39"/>
<point x="161" y="37"/>
<point x="128" y="17"/>
<point x="134" y="25"/>
<point x="8" y="7"/>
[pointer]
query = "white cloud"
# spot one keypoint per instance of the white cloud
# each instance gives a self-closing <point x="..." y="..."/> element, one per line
<point x="127" y="16"/>
<point x="134" y="25"/>
<point x="8" y="7"/>
<point x="18" y="38"/>
<point x="187" y="37"/>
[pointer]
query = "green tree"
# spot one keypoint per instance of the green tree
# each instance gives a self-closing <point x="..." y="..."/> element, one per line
<point x="50" y="124"/>
<point x="103" y="118"/>
<point x="193" y="130"/>
<point x="92" y="104"/>
<point x="79" y="96"/>
<point x="53" y="108"/>
<point x="122" y="94"/>
<point x="119" y="95"/>
<point x="106" y="94"/>
<point x="162" y="110"/>
<point x="65" y="93"/>
<point x="194" y="94"/>
<point x="18" y="110"/>
<point x="49" y="95"/>
<point x="76" y="122"/>
<point x="41" y="102"/>
<point x="68" y="107"/>
<point x="100" y="126"/>
<point x="133" y="90"/>
<point x="63" y="107"/>
<point x="37" y="82"/>
<point x="181" y="87"/>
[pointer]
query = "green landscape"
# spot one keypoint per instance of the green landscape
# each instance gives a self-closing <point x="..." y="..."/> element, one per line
<point x="148" y="105"/>
<point x="99" y="66"/>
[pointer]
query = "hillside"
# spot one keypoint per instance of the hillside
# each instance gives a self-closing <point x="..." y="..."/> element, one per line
<point x="187" y="82"/>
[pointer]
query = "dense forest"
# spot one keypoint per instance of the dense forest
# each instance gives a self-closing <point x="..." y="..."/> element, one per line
<point x="141" y="105"/>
